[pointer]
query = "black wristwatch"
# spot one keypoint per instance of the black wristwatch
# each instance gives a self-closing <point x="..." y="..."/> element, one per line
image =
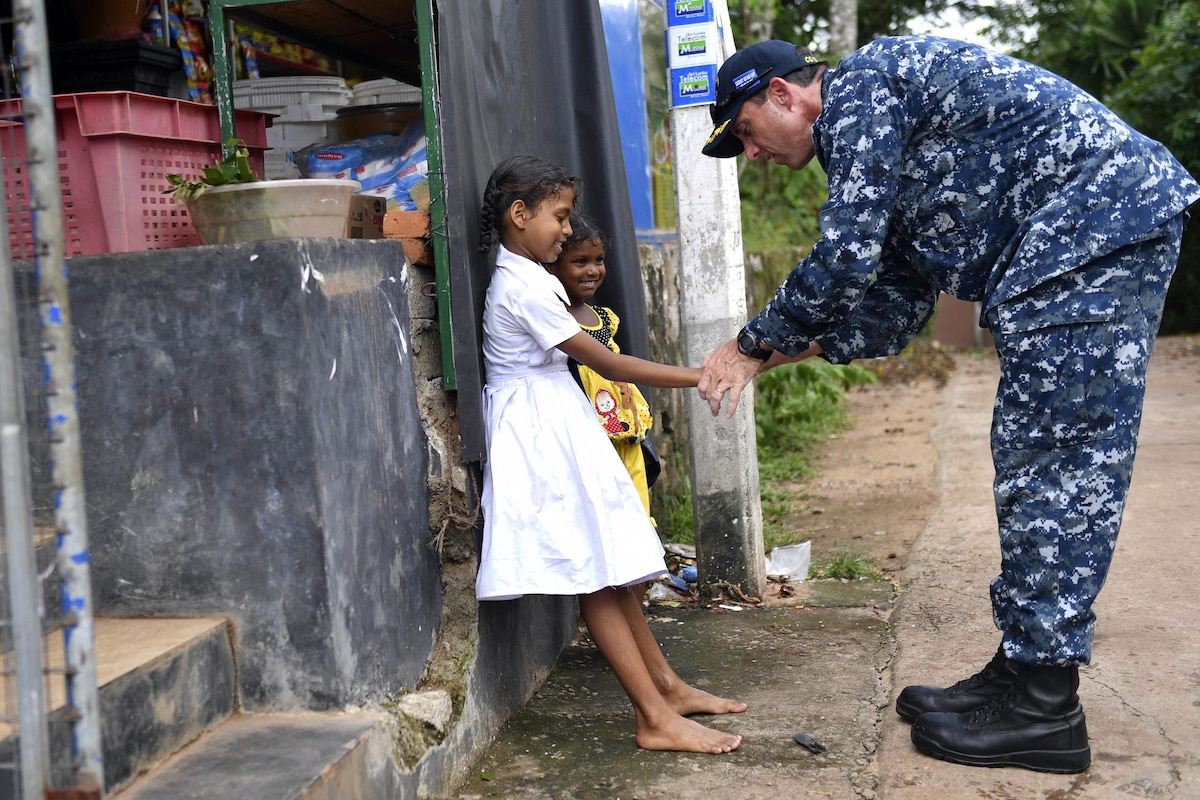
<point x="749" y="346"/>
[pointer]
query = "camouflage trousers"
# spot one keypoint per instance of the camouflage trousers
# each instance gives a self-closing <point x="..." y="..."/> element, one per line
<point x="1073" y="358"/>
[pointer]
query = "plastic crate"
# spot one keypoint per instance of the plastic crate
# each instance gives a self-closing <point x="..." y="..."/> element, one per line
<point x="298" y="99"/>
<point x="115" y="150"/>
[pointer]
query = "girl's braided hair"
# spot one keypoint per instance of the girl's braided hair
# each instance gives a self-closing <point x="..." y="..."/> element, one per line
<point x="525" y="178"/>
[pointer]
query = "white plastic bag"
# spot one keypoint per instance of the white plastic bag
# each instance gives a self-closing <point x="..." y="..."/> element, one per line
<point x="790" y="561"/>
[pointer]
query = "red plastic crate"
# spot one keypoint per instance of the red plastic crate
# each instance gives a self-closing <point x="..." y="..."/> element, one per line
<point x="115" y="150"/>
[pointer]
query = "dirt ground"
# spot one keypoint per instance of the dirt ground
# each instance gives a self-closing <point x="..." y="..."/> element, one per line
<point x="871" y="493"/>
<point x="873" y="490"/>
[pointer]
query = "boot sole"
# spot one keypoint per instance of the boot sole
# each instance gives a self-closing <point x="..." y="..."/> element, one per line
<point x="1059" y="762"/>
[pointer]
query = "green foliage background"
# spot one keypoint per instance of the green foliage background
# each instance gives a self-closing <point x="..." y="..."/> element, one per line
<point x="1140" y="57"/>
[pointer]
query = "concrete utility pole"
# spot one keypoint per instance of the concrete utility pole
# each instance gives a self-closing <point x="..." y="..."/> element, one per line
<point x="725" y="489"/>
<point x="843" y="27"/>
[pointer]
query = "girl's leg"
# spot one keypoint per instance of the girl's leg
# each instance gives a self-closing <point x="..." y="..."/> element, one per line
<point x="658" y="726"/>
<point x="681" y="697"/>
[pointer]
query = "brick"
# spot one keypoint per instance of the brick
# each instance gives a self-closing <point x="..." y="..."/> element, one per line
<point x="417" y="251"/>
<point x="406" y="224"/>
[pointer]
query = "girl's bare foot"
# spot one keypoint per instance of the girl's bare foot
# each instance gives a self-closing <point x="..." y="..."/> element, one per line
<point x="684" y="700"/>
<point x="685" y="735"/>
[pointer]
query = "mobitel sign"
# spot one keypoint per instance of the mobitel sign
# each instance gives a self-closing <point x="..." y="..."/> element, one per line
<point x="692" y="43"/>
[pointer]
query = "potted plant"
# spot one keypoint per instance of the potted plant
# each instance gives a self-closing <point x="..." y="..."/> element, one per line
<point x="228" y="203"/>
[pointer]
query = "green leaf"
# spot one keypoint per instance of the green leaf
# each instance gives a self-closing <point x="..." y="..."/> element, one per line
<point x="233" y="168"/>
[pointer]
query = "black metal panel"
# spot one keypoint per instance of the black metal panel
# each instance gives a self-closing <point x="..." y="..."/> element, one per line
<point x="522" y="76"/>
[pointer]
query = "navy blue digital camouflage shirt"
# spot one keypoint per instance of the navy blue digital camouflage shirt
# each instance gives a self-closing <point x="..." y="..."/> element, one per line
<point x="955" y="169"/>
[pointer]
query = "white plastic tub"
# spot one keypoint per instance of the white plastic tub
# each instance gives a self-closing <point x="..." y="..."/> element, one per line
<point x="247" y="212"/>
<point x="295" y="99"/>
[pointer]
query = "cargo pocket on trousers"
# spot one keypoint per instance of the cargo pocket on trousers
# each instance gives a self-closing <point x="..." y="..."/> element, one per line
<point x="1058" y="372"/>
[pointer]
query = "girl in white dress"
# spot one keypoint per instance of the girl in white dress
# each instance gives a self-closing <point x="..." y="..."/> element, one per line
<point x="561" y="514"/>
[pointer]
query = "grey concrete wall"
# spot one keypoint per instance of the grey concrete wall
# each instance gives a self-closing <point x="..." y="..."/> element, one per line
<point x="265" y="436"/>
<point x="252" y="447"/>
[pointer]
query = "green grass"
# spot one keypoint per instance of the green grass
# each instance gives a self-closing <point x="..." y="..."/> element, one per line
<point x="676" y="522"/>
<point x="847" y="564"/>
<point x="796" y="407"/>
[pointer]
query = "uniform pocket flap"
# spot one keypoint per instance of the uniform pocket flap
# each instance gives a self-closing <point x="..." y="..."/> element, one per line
<point x="1019" y="315"/>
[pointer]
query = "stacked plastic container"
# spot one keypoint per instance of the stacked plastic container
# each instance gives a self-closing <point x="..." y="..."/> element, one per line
<point x="379" y="106"/>
<point x="384" y="91"/>
<point x="307" y="107"/>
<point x="115" y="150"/>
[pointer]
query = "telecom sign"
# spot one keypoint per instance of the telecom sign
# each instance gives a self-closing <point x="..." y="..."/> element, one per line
<point x="692" y="41"/>
<point x="688" y="12"/>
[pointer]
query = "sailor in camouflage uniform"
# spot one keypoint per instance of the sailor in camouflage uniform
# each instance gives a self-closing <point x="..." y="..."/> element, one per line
<point x="954" y="169"/>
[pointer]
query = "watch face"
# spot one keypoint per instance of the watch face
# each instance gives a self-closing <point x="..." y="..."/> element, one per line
<point x="749" y="346"/>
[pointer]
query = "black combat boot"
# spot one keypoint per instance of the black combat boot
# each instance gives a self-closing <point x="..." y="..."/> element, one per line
<point x="1038" y="724"/>
<point x="966" y="695"/>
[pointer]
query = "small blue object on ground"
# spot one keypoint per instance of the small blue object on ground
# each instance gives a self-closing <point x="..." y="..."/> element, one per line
<point x="675" y="582"/>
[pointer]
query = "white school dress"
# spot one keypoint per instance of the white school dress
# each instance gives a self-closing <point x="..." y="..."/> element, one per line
<point x="560" y="513"/>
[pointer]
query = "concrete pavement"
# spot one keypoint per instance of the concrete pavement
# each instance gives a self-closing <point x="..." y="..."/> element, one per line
<point x="832" y="667"/>
<point x="1141" y="693"/>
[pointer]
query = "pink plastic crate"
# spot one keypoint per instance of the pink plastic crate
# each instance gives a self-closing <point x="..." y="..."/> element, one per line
<point x="115" y="150"/>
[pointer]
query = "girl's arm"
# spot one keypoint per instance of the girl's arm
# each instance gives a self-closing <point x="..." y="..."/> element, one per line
<point x="631" y="369"/>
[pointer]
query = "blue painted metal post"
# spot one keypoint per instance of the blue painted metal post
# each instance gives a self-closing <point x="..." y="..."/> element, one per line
<point x="62" y="412"/>
<point x="623" y="38"/>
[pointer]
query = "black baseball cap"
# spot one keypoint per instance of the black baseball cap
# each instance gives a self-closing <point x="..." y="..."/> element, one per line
<point x="743" y="75"/>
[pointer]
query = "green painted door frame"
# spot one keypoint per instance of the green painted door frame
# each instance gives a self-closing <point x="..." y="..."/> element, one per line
<point x="223" y="85"/>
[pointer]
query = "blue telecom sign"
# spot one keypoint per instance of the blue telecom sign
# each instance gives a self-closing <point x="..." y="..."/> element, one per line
<point x="692" y="46"/>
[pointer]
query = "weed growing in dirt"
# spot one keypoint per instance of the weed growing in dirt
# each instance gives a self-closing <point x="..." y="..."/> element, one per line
<point x="676" y="521"/>
<point x="847" y="564"/>
<point x="796" y="406"/>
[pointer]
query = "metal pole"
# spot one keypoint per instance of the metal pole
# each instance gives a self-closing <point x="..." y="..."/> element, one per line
<point x="18" y="529"/>
<point x="32" y="50"/>
<point x="222" y="74"/>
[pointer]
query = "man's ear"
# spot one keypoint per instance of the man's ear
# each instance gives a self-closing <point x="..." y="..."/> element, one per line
<point x="779" y="91"/>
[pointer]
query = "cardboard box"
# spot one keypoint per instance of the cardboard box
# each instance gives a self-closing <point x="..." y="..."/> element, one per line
<point x="370" y="219"/>
<point x="97" y="20"/>
<point x="366" y="217"/>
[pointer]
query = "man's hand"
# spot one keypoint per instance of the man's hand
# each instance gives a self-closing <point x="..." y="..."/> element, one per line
<point x="726" y="370"/>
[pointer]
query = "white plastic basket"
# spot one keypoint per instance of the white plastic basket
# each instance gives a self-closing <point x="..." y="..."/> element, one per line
<point x="294" y="99"/>
<point x="384" y="91"/>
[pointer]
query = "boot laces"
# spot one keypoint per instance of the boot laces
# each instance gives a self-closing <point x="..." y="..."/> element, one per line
<point x="998" y="706"/>
<point x="989" y="673"/>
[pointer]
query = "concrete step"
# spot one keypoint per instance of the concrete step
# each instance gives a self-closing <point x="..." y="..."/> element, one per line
<point x="163" y="683"/>
<point x="280" y="757"/>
